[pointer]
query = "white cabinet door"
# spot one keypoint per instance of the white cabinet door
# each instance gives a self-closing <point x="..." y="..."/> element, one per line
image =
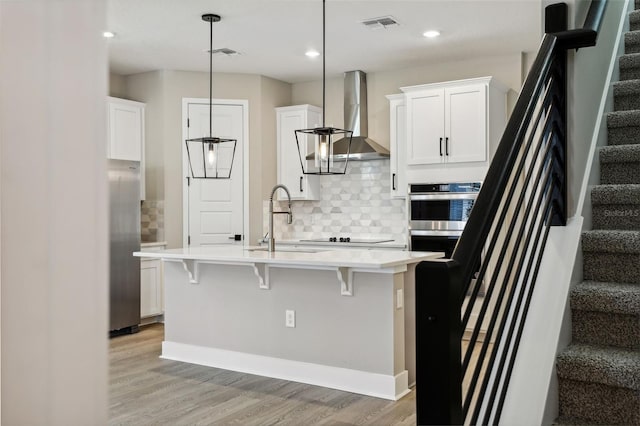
<point x="290" y="119"/>
<point x="465" y="124"/>
<point x="126" y="134"/>
<point x="125" y="131"/>
<point x="151" y="288"/>
<point x="397" y="148"/>
<point x="425" y="127"/>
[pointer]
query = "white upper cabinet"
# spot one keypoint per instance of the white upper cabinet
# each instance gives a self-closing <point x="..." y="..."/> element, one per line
<point x="290" y="119"/>
<point x="452" y="129"/>
<point x="126" y="133"/>
<point x="397" y="145"/>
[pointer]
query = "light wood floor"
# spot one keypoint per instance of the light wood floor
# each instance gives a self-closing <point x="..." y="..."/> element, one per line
<point x="147" y="390"/>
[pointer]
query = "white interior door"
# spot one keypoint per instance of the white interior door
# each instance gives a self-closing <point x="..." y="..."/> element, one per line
<point x="215" y="206"/>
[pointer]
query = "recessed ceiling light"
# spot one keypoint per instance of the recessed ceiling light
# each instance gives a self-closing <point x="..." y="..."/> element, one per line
<point x="312" y="53"/>
<point x="108" y="34"/>
<point x="431" y="33"/>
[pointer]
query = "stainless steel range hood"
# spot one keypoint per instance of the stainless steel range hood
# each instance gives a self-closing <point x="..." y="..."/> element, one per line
<point x="355" y="118"/>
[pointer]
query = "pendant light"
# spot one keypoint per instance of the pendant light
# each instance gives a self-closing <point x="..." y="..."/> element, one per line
<point x="211" y="157"/>
<point x="322" y="161"/>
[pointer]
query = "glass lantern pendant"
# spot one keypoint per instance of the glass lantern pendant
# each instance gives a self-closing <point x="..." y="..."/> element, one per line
<point x="324" y="159"/>
<point x="211" y="157"/>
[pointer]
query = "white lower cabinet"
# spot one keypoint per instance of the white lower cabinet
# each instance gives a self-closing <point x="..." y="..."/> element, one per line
<point x="151" y="287"/>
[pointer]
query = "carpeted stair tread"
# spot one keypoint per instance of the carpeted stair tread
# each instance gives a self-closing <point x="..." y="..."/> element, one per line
<point x="629" y="60"/>
<point x="632" y="42"/>
<point x="611" y="241"/>
<point x="627" y="87"/>
<point x="629" y="66"/>
<point x="599" y="364"/>
<point x="572" y="421"/>
<point x="616" y="206"/>
<point x="621" y="298"/>
<point x="634" y="20"/>
<point x="623" y="119"/>
<point x="620" y="154"/>
<point x="623" y="127"/>
<point x="605" y="329"/>
<point x="595" y="403"/>
<point x="615" y="194"/>
<point x="626" y="95"/>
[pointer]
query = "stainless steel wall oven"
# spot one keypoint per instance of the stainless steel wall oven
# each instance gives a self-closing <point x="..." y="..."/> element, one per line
<point x="438" y="213"/>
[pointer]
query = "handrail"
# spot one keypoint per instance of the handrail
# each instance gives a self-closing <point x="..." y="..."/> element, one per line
<point x="506" y="153"/>
<point x="586" y="36"/>
<point x="472" y="240"/>
<point x="523" y="194"/>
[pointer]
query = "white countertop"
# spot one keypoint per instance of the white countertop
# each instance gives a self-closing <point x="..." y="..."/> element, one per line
<point x="350" y="258"/>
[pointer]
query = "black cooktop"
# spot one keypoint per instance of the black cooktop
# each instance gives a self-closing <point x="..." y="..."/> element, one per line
<point x="347" y="240"/>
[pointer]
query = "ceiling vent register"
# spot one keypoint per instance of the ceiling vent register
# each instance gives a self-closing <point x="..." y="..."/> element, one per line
<point x="225" y="51"/>
<point x="382" y="22"/>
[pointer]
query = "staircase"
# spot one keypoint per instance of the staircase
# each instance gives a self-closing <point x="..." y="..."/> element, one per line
<point x="599" y="373"/>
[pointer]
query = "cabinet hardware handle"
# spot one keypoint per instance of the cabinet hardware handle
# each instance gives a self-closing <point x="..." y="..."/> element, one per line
<point x="446" y="146"/>
<point x="393" y="181"/>
<point x="300" y="183"/>
<point x="440" y="147"/>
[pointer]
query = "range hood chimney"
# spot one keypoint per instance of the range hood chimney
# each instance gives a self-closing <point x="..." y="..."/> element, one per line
<point x="355" y="119"/>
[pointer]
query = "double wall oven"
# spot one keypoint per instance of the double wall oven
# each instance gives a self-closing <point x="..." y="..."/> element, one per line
<point x="438" y="213"/>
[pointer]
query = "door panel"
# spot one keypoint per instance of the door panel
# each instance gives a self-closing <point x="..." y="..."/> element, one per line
<point x="216" y="223"/>
<point x="216" y="205"/>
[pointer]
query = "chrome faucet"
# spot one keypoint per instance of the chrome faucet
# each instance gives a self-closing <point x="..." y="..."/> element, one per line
<point x="272" y="241"/>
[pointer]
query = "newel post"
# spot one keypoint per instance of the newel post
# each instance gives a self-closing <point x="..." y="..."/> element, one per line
<point x="438" y="343"/>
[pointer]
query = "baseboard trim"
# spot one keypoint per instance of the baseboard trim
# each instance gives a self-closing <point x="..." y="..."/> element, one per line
<point x="356" y="381"/>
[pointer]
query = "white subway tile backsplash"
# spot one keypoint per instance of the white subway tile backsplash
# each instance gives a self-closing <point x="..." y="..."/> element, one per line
<point x="357" y="204"/>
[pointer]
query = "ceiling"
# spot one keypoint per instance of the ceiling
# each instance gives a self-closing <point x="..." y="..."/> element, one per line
<point x="273" y="35"/>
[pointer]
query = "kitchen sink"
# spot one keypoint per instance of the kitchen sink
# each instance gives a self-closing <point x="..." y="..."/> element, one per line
<point x="286" y="249"/>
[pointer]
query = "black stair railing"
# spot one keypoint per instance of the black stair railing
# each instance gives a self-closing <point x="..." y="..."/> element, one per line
<point x="524" y="193"/>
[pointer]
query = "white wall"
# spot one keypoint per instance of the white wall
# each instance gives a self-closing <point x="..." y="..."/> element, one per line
<point x="117" y="86"/>
<point x="163" y="92"/>
<point x="54" y="212"/>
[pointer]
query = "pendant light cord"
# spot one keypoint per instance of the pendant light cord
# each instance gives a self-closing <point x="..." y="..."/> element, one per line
<point x="211" y="78"/>
<point x="323" y="63"/>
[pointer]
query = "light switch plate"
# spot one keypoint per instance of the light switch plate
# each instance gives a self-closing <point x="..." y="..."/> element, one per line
<point x="399" y="298"/>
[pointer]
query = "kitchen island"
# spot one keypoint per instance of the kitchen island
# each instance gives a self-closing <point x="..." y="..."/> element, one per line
<point x="336" y="318"/>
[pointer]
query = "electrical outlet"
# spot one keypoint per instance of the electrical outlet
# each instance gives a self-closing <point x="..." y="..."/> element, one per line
<point x="399" y="298"/>
<point x="290" y="318"/>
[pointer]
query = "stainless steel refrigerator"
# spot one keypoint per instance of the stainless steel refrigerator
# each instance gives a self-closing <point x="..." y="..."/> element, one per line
<point x="124" y="230"/>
